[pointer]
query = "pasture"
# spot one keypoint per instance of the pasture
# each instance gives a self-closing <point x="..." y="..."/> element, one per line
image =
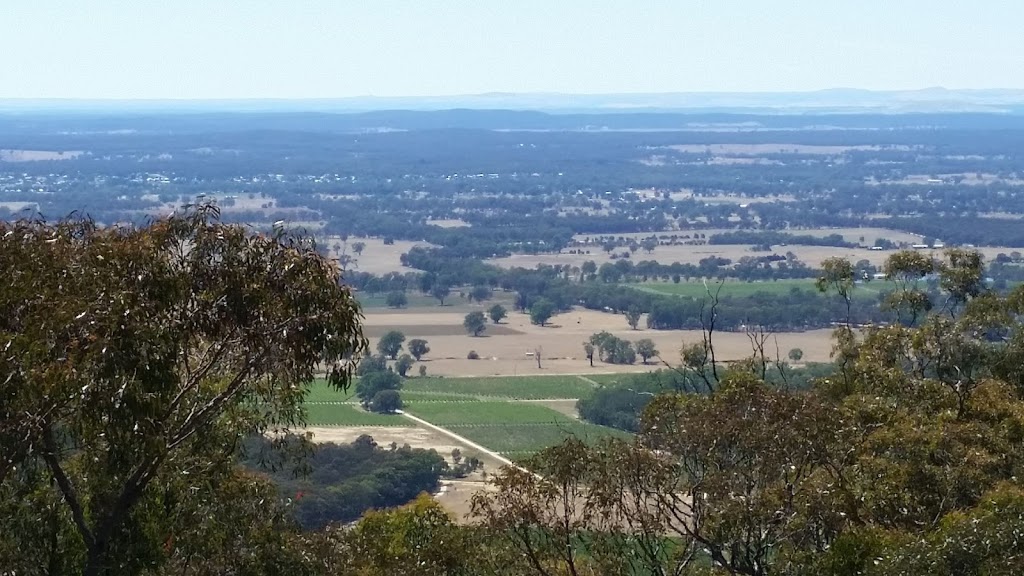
<point x="521" y="387"/>
<point x="348" y="415"/>
<point x="513" y="429"/>
<point x="510" y="349"/>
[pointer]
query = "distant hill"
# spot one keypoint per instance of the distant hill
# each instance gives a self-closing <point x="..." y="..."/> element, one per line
<point x="835" y="100"/>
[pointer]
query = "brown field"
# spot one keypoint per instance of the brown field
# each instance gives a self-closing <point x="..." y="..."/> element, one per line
<point x="561" y="343"/>
<point x="849" y="234"/>
<point x="37" y="155"/>
<point x="377" y="257"/>
<point x="760" y="149"/>
<point x="449" y="223"/>
<point x="813" y="256"/>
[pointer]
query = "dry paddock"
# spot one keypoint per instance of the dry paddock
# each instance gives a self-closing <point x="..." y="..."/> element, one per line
<point x="508" y="349"/>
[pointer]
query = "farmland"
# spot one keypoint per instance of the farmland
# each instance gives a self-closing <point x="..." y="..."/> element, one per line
<point x="524" y="387"/>
<point x="699" y="289"/>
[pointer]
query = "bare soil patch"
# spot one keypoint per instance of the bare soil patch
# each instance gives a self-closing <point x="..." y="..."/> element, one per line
<point x="38" y="155"/>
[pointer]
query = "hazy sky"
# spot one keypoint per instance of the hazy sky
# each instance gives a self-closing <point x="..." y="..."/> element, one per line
<point x="334" y="48"/>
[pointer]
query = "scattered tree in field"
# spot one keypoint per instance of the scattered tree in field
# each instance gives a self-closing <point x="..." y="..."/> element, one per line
<point x="612" y="349"/>
<point x="796" y="354"/>
<point x="135" y="358"/>
<point x="475" y="323"/>
<point x="645" y="349"/>
<point x="480" y="293"/>
<point x="369" y="385"/>
<point x="633" y="317"/>
<point x="589" y="269"/>
<point x="541" y="311"/>
<point x="396" y="299"/>
<point x="422" y="371"/>
<point x="390" y="344"/>
<point x="472" y="355"/>
<point x="441" y="292"/>
<point x="372" y="363"/>
<point x="497" y="313"/>
<point x="588" y="349"/>
<point x="418" y="348"/>
<point x="538" y="354"/>
<point x="649" y="245"/>
<point x="386" y="402"/>
<point x="403" y="364"/>
<point x="358" y="248"/>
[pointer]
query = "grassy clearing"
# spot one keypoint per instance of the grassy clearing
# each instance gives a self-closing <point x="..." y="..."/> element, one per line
<point x="485" y="413"/>
<point x="521" y="387"/>
<point x="379" y="301"/>
<point x="319" y="391"/>
<point x="349" y="415"/>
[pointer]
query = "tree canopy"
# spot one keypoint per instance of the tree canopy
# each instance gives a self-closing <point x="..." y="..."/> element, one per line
<point x="134" y="358"/>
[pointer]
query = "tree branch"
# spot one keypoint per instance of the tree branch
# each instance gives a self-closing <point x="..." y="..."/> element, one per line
<point x="66" y="488"/>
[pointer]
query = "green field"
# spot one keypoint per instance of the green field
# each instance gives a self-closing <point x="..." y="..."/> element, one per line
<point x="516" y="429"/>
<point x="349" y="415"/>
<point x="609" y="379"/>
<point x="740" y="289"/>
<point x="520" y="387"/>
<point x="518" y="441"/>
<point x="418" y="300"/>
<point x="319" y="391"/>
<point x="454" y="414"/>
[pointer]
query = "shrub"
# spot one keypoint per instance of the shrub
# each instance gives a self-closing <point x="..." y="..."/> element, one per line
<point x="473" y="355"/>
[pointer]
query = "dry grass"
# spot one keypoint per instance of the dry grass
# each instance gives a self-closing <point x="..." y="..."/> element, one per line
<point x="377" y="257"/>
<point x="561" y="343"/>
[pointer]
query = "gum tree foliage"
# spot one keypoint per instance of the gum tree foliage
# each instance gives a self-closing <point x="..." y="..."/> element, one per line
<point x="397" y="299"/>
<point x="541" y="311"/>
<point x="418" y="348"/>
<point x="906" y="459"/>
<point x="475" y="322"/>
<point x="390" y="344"/>
<point x="133" y="361"/>
<point x="497" y="313"/>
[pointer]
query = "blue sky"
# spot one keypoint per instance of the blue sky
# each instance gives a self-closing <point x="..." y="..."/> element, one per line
<point x="337" y="48"/>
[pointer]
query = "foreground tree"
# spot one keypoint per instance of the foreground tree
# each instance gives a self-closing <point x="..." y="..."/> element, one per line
<point x="134" y="360"/>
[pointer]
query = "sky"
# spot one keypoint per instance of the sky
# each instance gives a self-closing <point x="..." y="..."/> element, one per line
<point x="214" y="49"/>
